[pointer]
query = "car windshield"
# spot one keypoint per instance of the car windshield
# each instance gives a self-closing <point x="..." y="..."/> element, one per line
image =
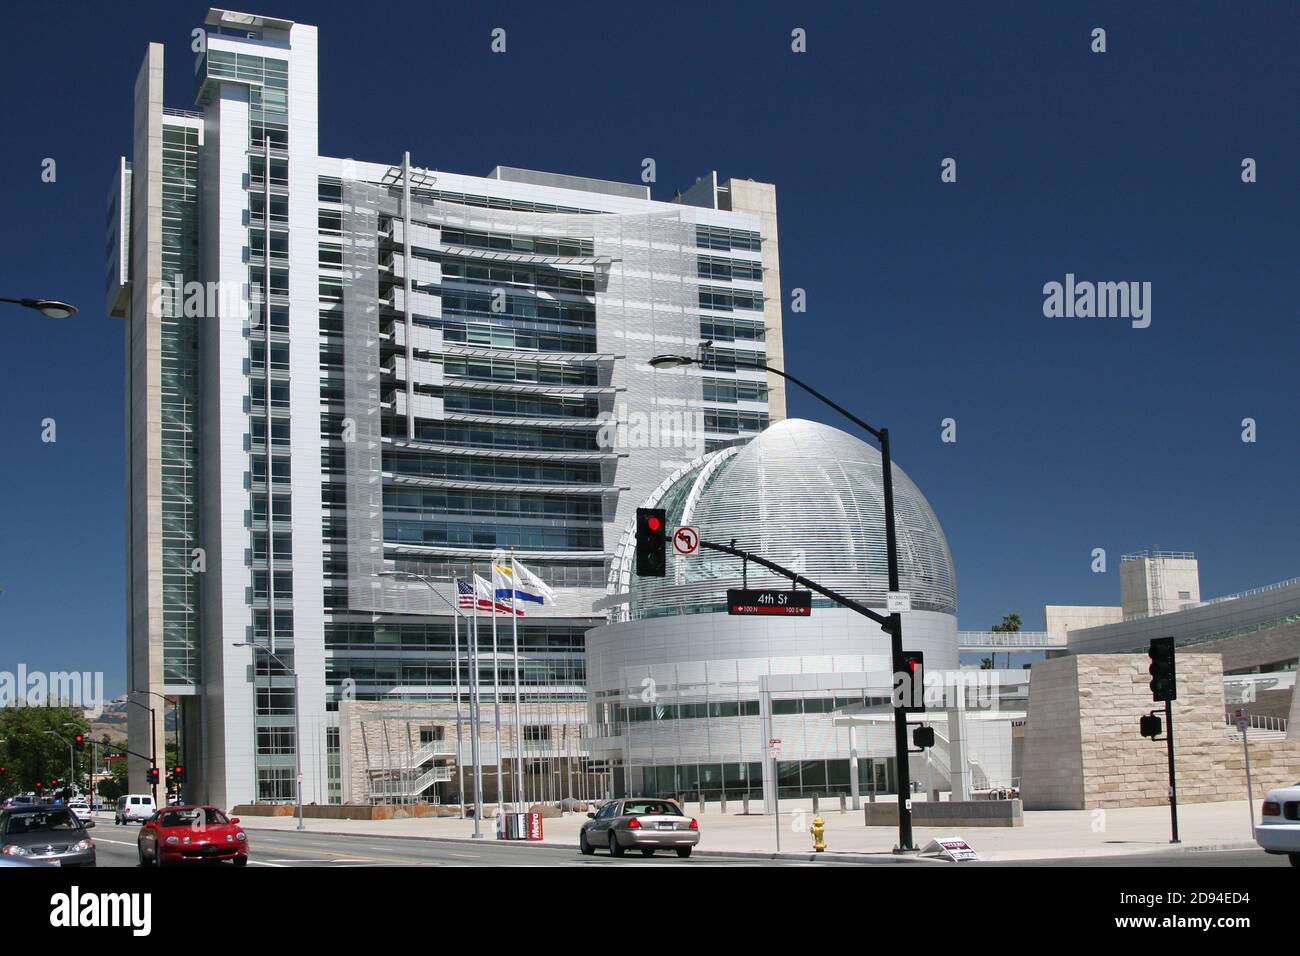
<point x="650" y="808"/>
<point x="41" y="821"/>
<point x="201" y="816"/>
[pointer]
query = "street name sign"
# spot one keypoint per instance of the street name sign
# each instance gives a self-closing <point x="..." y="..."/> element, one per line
<point x="783" y="603"/>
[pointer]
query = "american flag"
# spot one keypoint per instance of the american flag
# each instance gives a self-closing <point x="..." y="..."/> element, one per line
<point x="465" y="598"/>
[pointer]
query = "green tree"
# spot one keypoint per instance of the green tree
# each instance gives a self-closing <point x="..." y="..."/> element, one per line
<point x="35" y="745"/>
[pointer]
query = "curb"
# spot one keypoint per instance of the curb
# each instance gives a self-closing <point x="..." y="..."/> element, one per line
<point x="878" y="858"/>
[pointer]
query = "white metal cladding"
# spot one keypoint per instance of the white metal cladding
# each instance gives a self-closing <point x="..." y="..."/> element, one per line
<point x="808" y="497"/>
<point x="646" y="302"/>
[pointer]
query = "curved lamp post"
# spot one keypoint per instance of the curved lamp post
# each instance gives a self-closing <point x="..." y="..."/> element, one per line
<point x="50" y="308"/>
<point x="297" y="716"/>
<point x="671" y="361"/>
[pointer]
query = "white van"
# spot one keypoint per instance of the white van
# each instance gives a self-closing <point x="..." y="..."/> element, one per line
<point x="134" y="808"/>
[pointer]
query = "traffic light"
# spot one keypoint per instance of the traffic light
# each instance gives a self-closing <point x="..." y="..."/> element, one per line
<point x="39" y="786"/>
<point x="651" y="542"/>
<point x="80" y="739"/>
<point x="1151" y="726"/>
<point x="178" y="774"/>
<point x="923" y="737"/>
<point x="911" y="671"/>
<point x="1164" y="685"/>
<point x="151" y="776"/>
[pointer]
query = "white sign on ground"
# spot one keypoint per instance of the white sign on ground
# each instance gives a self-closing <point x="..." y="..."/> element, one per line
<point x="953" y="849"/>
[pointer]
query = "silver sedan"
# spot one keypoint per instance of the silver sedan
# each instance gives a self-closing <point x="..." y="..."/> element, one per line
<point x="639" y="823"/>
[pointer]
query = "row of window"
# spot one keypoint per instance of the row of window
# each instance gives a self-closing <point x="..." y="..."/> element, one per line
<point x="437" y="501"/>
<point x="710" y="267"/>
<point x="480" y="536"/>
<point x="734" y="390"/>
<point x="728" y="300"/>
<point x="514" y="472"/>
<point x="509" y="370"/>
<point x="532" y="245"/>
<point x="732" y="423"/>
<point x="534" y="278"/>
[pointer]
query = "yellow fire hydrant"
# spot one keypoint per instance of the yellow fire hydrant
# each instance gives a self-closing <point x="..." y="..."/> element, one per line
<point x="818" y="830"/>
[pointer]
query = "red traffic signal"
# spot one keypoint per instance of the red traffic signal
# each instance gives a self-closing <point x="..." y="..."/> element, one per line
<point x="80" y="739"/>
<point x="911" y="671"/>
<point x="152" y="775"/>
<point x="651" y="542"/>
<point x="178" y="774"/>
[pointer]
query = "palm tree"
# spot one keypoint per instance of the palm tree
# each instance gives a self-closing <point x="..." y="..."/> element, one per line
<point x="1010" y="625"/>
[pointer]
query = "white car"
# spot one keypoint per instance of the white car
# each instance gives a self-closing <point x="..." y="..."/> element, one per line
<point x="1279" y="823"/>
<point x="81" y="809"/>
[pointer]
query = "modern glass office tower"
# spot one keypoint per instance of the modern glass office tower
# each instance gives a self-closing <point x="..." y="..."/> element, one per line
<point x="338" y="368"/>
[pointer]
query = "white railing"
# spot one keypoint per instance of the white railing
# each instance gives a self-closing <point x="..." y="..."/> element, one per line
<point x="407" y="787"/>
<point x="1262" y="722"/>
<point x="970" y="640"/>
<point x="409" y="760"/>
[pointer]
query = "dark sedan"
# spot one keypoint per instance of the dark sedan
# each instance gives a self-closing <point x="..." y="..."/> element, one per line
<point x="639" y="823"/>
<point x="47" y="834"/>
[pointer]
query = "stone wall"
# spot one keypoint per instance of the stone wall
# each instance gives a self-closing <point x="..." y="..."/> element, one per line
<point x="1083" y="750"/>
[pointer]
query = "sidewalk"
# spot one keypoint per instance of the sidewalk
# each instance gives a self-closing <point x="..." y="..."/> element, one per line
<point x="1047" y="834"/>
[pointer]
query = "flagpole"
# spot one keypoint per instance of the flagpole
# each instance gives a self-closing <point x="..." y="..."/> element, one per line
<point x="496" y="694"/>
<point x="519" y="720"/>
<point x="455" y="667"/>
<point x="475" y="718"/>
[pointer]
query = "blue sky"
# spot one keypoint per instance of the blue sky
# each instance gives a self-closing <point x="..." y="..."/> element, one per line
<point x="924" y="298"/>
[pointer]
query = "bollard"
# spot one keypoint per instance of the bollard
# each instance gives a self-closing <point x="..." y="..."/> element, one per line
<point x="815" y="804"/>
<point x="843" y="805"/>
<point x="745" y="804"/>
<point x="724" y="801"/>
<point x="701" y="796"/>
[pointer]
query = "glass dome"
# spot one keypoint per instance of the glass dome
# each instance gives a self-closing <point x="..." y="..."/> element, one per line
<point x="807" y="496"/>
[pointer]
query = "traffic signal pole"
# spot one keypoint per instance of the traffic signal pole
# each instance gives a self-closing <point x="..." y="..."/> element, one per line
<point x="893" y="624"/>
<point x="1173" y="787"/>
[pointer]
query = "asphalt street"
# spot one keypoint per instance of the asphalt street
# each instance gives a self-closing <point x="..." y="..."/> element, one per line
<point x="116" y="846"/>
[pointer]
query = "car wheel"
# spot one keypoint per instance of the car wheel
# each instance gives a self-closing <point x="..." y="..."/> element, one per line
<point x="683" y="851"/>
<point x="157" y="856"/>
<point x="647" y="851"/>
<point x="586" y="848"/>
<point x="140" y="853"/>
<point x="241" y="861"/>
<point x="614" y="848"/>
<point x="1295" y="858"/>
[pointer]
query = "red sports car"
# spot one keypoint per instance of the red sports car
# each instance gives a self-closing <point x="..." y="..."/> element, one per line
<point x="191" y="835"/>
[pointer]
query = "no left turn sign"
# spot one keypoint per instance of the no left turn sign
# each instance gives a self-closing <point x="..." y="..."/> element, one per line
<point x="686" y="541"/>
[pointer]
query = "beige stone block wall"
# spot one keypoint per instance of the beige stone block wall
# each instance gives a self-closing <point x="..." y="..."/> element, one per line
<point x="1083" y="749"/>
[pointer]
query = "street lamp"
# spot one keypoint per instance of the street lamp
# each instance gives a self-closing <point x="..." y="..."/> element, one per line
<point x="153" y="738"/>
<point x="72" y="767"/>
<point x="671" y="361"/>
<point x="50" y="308"/>
<point x="297" y="715"/>
<point x="474" y="700"/>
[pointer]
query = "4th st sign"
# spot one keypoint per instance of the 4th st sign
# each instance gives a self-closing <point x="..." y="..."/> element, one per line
<point x="787" y="603"/>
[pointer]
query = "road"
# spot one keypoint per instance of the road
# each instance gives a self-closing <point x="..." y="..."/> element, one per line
<point x="116" y="846"/>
